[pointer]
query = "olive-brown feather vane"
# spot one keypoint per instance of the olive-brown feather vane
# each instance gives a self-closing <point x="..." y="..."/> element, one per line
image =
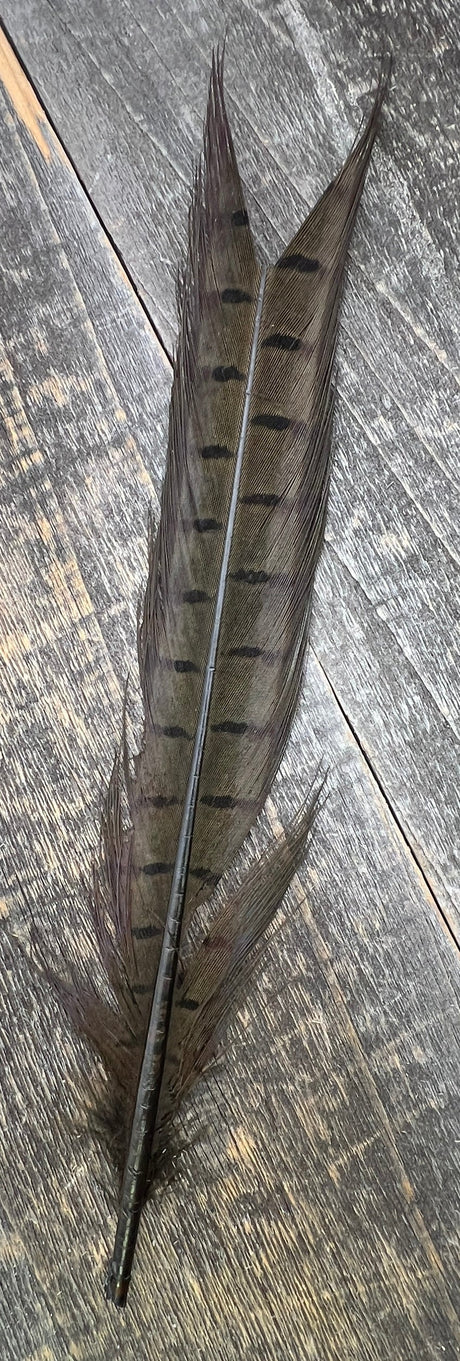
<point x="217" y="975"/>
<point x="223" y="631"/>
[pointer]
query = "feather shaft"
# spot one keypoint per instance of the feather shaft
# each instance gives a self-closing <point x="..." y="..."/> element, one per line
<point x="151" y="1074"/>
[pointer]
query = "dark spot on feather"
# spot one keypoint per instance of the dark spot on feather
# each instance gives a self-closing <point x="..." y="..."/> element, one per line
<point x="225" y="375"/>
<point x="158" y="867"/>
<point x="240" y="218"/>
<point x="227" y="801"/>
<point x="303" y="263"/>
<point x="251" y="577"/>
<point x="142" y="989"/>
<point x="194" y="597"/>
<point x="162" y="800"/>
<point x="170" y="731"/>
<point x="261" y="498"/>
<point x="279" y="341"/>
<point x="178" y="664"/>
<point x="228" y="726"/>
<point x="207" y="526"/>
<point x="188" y="1003"/>
<point x="181" y="665"/>
<point x="206" y="875"/>
<point x="271" y="422"/>
<point x="145" y="932"/>
<point x="247" y="651"/>
<point x="235" y="295"/>
<point x="219" y="801"/>
<point x="216" y="451"/>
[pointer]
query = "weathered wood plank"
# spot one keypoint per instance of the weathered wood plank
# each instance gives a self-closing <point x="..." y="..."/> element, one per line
<point x="130" y="113"/>
<point x="318" y="1214"/>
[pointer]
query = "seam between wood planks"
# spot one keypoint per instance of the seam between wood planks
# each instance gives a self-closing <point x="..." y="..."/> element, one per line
<point x="404" y="1186"/>
<point x="378" y="285"/>
<point x="446" y="925"/>
<point x="380" y="447"/>
<point x="443" y="917"/>
<point x="104" y="78"/>
<point x="61" y="144"/>
<point x="372" y="282"/>
<point x="440" y="354"/>
<point x="374" y="606"/>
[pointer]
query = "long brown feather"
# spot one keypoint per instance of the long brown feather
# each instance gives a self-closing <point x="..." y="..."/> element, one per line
<point x="274" y="536"/>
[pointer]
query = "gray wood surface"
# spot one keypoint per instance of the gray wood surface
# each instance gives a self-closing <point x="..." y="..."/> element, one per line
<point x="126" y="89"/>
<point x="317" y="1212"/>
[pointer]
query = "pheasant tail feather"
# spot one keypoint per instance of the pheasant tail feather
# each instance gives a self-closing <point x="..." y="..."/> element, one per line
<point x="249" y="448"/>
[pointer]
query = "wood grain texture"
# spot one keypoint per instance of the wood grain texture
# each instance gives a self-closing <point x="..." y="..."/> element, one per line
<point x="317" y="1213"/>
<point x="127" y="94"/>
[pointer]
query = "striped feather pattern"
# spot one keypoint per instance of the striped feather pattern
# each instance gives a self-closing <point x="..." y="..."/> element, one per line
<point x="232" y="569"/>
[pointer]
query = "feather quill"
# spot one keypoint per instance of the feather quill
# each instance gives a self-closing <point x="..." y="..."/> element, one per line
<point x="222" y="635"/>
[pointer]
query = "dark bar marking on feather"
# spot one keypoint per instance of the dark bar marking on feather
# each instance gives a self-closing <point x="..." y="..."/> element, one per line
<point x="280" y="341"/>
<point x="261" y="498"/>
<point x="158" y="867"/>
<point x="271" y="422"/>
<point x="216" y="451"/>
<point x="236" y="295"/>
<point x="183" y="666"/>
<point x="304" y="264"/>
<point x="145" y="932"/>
<point x="188" y="1003"/>
<point x="162" y="800"/>
<point x="251" y="577"/>
<point x="253" y="652"/>
<point x="247" y="651"/>
<point x="226" y="801"/>
<point x="229" y="726"/>
<point x="171" y="731"/>
<point x="142" y="989"/>
<point x="195" y="597"/>
<point x="207" y="526"/>
<point x="240" y="218"/>
<point x="206" y="875"/>
<point x="227" y="374"/>
<point x="179" y="664"/>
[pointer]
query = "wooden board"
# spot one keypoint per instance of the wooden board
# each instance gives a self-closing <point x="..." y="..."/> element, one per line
<point x="127" y="95"/>
<point x="316" y="1215"/>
